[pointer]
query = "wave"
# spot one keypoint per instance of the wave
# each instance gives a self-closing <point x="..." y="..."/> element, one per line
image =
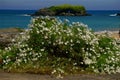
<point x="24" y="15"/>
<point x="113" y="15"/>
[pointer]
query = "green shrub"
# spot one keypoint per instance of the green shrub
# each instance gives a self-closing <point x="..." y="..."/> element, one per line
<point x="67" y="7"/>
<point x="54" y="47"/>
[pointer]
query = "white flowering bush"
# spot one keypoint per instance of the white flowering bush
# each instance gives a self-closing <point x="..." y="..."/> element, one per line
<point x="55" y="47"/>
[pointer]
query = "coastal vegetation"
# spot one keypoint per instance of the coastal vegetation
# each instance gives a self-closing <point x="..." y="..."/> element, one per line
<point x="50" y="46"/>
<point x="63" y="10"/>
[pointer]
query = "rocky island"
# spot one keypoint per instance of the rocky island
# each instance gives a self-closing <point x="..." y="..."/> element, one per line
<point x="62" y="10"/>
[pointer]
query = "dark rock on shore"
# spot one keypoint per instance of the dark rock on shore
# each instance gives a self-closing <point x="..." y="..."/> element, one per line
<point x="62" y="10"/>
<point x="118" y="14"/>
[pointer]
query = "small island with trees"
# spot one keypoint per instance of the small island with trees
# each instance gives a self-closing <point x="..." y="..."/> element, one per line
<point x="62" y="10"/>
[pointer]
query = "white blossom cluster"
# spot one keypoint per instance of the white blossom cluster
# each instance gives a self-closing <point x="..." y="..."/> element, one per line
<point x="51" y="37"/>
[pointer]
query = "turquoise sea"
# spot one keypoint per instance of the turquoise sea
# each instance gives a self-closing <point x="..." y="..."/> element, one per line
<point x="100" y="19"/>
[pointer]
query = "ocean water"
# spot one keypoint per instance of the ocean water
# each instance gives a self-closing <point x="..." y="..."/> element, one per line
<point x="100" y="19"/>
<point x="15" y="18"/>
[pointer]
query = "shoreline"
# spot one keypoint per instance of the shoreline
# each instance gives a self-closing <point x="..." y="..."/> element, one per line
<point x="114" y="33"/>
<point x="6" y="36"/>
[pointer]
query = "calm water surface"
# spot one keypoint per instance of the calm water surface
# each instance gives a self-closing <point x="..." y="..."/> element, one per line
<point x="100" y="20"/>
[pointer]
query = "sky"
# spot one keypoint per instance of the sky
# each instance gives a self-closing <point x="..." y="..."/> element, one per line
<point x="37" y="4"/>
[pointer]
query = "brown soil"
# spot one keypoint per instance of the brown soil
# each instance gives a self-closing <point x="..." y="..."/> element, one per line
<point x="113" y="34"/>
<point x="27" y="76"/>
<point x="6" y="35"/>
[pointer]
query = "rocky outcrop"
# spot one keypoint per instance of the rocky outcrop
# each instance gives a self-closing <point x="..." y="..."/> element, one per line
<point x="118" y="14"/>
<point x="44" y="12"/>
<point x="62" y="10"/>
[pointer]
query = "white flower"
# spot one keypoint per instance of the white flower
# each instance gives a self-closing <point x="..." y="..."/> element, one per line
<point x="88" y="61"/>
<point x="35" y="59"/>
<point x="54" y="71"/>
<point x="42" y="43"/>
<point x="59" y="76"/>
<point x="45" y="29"/>
<point x="46" y="37"/>
<point x="13" y="40"/>
<point x="42" y="49"/>
<point x="71" y="40"/>
<point x="61" y="70"/>
<point x="38" y="32"/>
<point x="118" y="69"/>
<point x="43" y="22"/>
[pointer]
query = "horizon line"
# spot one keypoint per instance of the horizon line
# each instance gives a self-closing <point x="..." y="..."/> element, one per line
<point x="86" y="9"/>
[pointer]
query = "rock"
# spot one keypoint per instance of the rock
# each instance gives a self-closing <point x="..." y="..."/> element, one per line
<point x="118" y="14"/>
<point x="44" y="12"/>
<point x="62" y="10"/>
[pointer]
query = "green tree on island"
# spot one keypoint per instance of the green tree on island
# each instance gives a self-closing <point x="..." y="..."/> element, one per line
<point x="63" y="10"/>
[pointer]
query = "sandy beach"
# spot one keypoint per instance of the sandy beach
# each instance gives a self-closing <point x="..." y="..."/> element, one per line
<point x="112" y="34"/>
<point x="115" y="35"/>
<point x="6" y="35"/>
<point x="13" y="31"/>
